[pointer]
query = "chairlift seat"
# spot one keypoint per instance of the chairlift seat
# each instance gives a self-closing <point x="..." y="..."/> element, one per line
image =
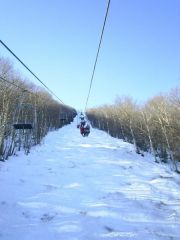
<point x="22" y="126"/>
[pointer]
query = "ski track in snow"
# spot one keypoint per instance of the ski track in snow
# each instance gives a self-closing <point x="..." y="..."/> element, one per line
<point x="75" y="188"/>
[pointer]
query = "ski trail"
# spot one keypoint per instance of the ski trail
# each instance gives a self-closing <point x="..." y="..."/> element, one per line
<point x="93" y="188"/>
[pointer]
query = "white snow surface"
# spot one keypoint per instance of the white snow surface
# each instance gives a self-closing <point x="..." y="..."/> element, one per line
<point x="94" y="188"/>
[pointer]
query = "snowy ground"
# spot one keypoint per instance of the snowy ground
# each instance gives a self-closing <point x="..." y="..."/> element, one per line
<point x="95" y="188"/>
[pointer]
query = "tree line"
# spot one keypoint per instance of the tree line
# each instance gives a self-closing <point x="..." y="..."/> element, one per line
<point x="153" y="127"/>
<point x="23" y="102"/>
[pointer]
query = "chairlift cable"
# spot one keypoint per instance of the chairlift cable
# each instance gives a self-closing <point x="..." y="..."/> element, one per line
<point x="30" y="71"/>
<point x="23" y="89"/>
<point x="94" y="68"/>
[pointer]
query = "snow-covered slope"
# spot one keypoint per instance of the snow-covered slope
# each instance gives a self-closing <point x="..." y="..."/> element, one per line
<point x="75" y="188"/>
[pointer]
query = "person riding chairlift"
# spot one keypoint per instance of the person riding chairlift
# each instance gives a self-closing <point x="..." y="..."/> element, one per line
<point x="82" y="121"/>
<point x="85" y="130"/>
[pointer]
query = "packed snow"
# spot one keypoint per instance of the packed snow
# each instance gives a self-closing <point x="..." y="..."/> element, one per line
<point x="87" y="188"/>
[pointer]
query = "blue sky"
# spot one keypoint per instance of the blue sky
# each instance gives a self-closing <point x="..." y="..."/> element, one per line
<point x="58" y="40"/>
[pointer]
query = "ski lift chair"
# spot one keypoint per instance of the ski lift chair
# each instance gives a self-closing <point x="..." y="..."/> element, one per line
<point x="22" y="126"/>
<point x="23" y="129"/>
